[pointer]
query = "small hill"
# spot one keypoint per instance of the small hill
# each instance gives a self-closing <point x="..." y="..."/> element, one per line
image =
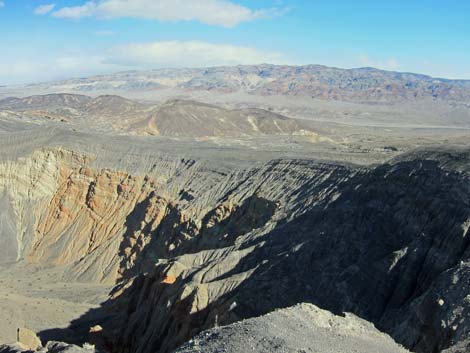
<point x="194" y="119"/>
<point x="111" y="105"/>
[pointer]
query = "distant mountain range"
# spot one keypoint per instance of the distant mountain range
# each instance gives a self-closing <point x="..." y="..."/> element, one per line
<point x="358" y="85"/>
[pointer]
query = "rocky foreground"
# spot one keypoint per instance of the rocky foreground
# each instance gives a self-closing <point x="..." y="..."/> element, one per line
<point x="51" y="347"/>
<point x="303" y="328"/>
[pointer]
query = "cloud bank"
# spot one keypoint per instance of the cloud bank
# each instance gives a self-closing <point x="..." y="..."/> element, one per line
<point x="188" y="54"/>
<point x="212" y="12"/>
<point x="131" y="56"/>
<point x="29" y="69"/>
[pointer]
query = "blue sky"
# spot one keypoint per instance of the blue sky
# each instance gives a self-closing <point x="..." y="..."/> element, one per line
<point x="44" y="40"/>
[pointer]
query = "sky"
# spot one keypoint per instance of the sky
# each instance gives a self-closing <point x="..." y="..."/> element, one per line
<point x="45" y="40"/>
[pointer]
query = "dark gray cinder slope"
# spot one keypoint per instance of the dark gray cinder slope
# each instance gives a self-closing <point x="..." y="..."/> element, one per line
<point x="302" y="328"/>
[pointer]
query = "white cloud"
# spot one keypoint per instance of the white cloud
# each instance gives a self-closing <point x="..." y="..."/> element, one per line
<point x="56" y="66"/>
<point x="27" y="70"/>
<point x="188" y="54"/>
<point x="44" y="9"/>
<point x="76" y="12"/>
<point x="2" y="4"/>
<point x="388" y="64"/>
<point x="213" y="12"/>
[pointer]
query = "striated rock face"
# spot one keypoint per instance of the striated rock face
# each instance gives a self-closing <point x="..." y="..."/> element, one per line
<point x="64" y="211"/>
<point x="104" y="225"/>
<point x="87" y="215"/>
<point x="193" y="244"/>
<point x="25" y="184"/>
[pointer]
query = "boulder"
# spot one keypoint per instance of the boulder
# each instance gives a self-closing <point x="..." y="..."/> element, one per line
<point x="28" y="339"/>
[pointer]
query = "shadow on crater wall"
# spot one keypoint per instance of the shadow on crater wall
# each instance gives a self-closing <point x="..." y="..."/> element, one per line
<point x="383" y="246"/>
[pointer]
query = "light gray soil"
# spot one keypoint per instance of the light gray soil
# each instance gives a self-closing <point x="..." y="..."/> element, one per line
<point x="41" y="299"/>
